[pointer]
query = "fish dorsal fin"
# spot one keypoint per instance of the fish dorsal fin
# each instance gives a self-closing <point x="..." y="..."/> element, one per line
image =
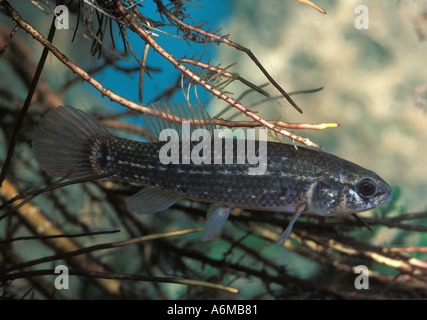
<point x="169" y="115"/>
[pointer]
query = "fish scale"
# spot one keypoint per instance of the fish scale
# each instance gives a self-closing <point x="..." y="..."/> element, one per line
<point x="138" y="162"/>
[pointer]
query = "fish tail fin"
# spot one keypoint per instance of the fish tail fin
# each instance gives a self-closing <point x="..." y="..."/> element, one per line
<point x="64" y="139"/>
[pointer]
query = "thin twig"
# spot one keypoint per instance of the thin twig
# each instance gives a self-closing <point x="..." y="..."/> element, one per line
<point x="55" y="236"/>
<point x="311" y="4"/>
<point x="134" y="106"/>
<point x="223" y="72"/>
<point x="218" y="38"/>
<point x="117" y="276"/>
<point x="26" y="106"/>
<point x="102" y="246"/>
<point x="147" y="38"/>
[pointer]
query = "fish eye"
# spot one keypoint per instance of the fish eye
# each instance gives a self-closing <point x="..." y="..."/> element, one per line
<point x="366" y="187"/>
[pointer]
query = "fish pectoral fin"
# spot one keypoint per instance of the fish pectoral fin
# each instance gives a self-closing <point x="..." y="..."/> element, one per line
<point x="298" y="211"/>
<point x="151" y="200"/>
<point x="215" y="219"/>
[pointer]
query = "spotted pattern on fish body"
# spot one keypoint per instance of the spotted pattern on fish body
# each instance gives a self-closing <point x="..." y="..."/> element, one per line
<point x="294" y="181"/>
<point x="225" y="183"/>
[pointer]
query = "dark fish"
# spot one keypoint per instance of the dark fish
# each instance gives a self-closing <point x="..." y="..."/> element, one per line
<point x="288" y="180"/>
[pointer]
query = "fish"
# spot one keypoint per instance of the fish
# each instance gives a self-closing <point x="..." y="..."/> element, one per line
<point x="293" y="180"/>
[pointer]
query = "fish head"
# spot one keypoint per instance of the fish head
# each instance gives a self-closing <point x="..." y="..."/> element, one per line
<point x="361" y="189"/>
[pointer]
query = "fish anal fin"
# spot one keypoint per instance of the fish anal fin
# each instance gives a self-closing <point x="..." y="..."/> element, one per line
<point x="151" y="200"/>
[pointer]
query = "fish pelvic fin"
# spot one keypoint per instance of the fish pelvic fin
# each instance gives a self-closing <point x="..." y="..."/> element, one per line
<point x="151" y="200"/>
<point x="63" y="141"/>
<point x="215" y="219"/>
<point x="298" y="211"/>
